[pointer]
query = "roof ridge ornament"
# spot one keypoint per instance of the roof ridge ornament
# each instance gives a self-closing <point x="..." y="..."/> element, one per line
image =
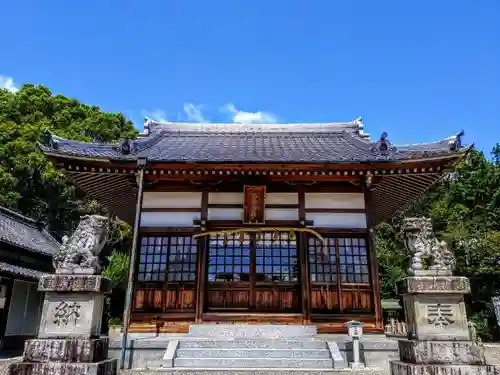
<point x="383" y="146"/>
<point x="48" y="140"/>
<point x="126" y="146"/>
<point x="457" y="143"/>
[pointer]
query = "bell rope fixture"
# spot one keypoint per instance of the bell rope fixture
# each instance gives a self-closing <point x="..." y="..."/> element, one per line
<point x="276" y="230"/>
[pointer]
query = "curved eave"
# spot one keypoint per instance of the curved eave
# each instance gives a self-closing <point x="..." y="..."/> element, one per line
<point x="371" y="163"/>
<point x="394" y="194"/>
<point x="112" y="181"/>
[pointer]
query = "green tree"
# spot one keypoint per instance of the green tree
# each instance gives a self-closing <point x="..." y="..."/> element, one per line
<point x="465" y="208"/>
<point x="28" y="181"/>
<point x="30" y="184"/>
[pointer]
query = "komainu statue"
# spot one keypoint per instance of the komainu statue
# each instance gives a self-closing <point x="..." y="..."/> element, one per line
<point x="79" y="254"/>
<point x="421" y="241"/>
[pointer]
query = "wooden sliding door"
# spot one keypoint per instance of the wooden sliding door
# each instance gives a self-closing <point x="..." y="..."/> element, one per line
<point x="340" y="277"/>
<point x="256" y="272"/>
<point x="166" y="275"/>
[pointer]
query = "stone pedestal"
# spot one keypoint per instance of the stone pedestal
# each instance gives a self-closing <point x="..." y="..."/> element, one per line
<point x="439" y="341"/>
<point x="69" y="341"/>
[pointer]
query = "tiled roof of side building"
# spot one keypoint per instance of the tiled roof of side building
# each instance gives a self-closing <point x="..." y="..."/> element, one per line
<point x="254" y="143"/>
<point x="21" y="231"/>
<point x="20" y="271"/>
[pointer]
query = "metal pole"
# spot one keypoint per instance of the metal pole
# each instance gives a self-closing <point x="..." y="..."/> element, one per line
<point x="141" y="163"/>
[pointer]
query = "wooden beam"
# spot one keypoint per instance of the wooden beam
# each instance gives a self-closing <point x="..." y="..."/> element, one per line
<point x="163" y="230"/>
<point x="171" y="209"/>
<point x="374" y="271"/>
<point x="336" y="210"/>
<point x="201" y="281"/>
<point x="237" y="178"/>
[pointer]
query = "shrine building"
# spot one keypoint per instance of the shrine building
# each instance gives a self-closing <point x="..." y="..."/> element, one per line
<point x="254" y="223"/>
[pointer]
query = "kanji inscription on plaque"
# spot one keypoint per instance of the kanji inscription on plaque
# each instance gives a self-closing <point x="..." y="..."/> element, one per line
<point x="66" y="312"/>
<point x="440" y="315"/>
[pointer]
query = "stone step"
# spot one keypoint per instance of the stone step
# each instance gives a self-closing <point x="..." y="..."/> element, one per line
<point x="252" y="344"/>
<point x="249" y="331"/>
<point x="239" y="363"/>
<point x="253" y="353"/>
<point x="259" y="371"/>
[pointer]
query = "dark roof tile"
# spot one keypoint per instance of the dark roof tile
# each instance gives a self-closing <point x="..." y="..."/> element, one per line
<point x="21" y="271"/>
<point x="24" y="232"/>
<point x="259" y="143"/>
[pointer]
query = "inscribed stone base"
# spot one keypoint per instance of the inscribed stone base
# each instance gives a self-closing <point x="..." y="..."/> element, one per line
<point x="435" y="308"/>
<point x="441" y="352"/>
<point x="106" y="367"/>
<point x="402" y="368"/>
<point x="71" y="315"/>
<point x="74" y="283"/>
<point x="66" y="350"/>
<point x="436" y="284"/>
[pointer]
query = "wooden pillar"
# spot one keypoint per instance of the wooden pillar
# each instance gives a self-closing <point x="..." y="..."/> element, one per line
<point x="305" y="280"/>
<point x="201" y="270"/>
<point x="374" y="271"/>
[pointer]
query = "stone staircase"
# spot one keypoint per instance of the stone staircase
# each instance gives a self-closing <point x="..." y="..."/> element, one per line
<point x="228" y="346"/>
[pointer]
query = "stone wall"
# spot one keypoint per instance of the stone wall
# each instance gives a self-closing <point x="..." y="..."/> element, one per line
<point x="5" y="363"/>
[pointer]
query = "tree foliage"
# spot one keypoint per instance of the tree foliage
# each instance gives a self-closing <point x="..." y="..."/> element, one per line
<point x="465" y="208"/>
<point x="30" y="184"/>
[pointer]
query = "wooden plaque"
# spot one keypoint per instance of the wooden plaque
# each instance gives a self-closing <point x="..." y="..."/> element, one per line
<point x="254" y="204"/>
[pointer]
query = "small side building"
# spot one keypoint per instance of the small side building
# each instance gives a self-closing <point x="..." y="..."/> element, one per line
<point x="26" y="251"/>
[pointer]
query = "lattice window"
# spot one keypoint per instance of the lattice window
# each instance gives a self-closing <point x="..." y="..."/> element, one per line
<point x="276" y="257"/>
<point x="353" y="259"/>
<point x="229" y="258"/>
<point x="167" y="258"/>
<point x="323" y="260"/>
<point x="351" y="255"/>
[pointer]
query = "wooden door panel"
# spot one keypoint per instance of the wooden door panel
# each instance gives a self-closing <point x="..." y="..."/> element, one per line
<point x="180" y="299"/>
<point x="325" y="298"/>
<point x="165" y="298"/>
<point x="148" y="299"/>
<point x="228" y="298"/>
<point x="257" y="272"/>
<point x="357" y="300"/>
<point x="276" y="299"/>
<point x="229" y="269"/>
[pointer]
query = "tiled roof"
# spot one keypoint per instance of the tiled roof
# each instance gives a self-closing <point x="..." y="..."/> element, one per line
<point x="21" y="231"/>
<point x="254" y="143"/>
<point x="21" y="271"/>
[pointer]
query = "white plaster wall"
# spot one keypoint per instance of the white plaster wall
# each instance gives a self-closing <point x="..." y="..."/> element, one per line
<point x="335" y="200"/>
<point x="281" y="214"/>
<point x="337" y="220"/>
<point x="169" y="219"/>
<point x="225" y="198"/>
<point x="282" y="198"/>
<point x="171" y="199"/>
<point x="225" y="214"/>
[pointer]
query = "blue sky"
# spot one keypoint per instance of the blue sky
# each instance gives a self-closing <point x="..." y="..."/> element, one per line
<point x="420" y="70"/>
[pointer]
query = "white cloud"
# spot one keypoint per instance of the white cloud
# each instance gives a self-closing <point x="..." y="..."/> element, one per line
<point x="194" y="113"/>
<point x="156" y="114"/>
<point x="243" y="117"/>
<point x="8" y="84"/>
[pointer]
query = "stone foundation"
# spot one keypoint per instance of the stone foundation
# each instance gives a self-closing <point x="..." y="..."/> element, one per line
<point x="68" y="341"/>
<point x="441" y="352"/>
<point x="402" y="368"/>
<point x="105" y="367"/>
<point x="439" y="340"/>
<point x="66" y="350"/>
